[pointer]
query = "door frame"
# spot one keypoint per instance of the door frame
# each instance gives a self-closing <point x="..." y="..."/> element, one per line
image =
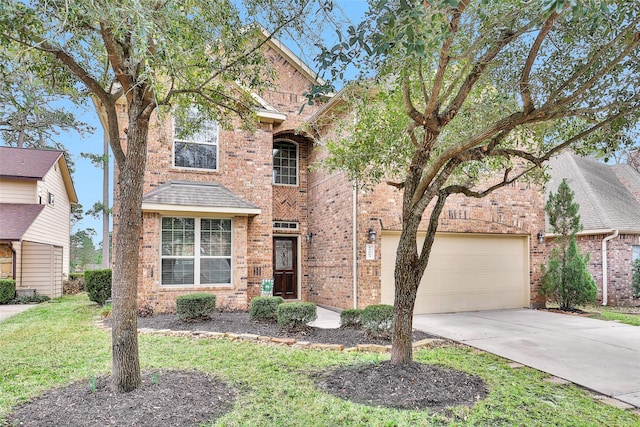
<point x="298" y="264"/>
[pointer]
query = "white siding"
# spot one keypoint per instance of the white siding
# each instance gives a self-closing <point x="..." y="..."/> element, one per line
<point x="18" y="191"/>
<point x="53" y="224"/>
<point x="39" y="269"/>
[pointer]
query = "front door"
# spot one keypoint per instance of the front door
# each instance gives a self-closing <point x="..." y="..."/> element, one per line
<point x="285" y="265"/>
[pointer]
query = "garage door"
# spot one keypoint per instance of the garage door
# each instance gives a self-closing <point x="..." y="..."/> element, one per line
<point x="465" y="273"/>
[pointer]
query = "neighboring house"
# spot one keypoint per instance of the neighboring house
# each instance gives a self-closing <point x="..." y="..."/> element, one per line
<point x="609" y="199"/>
<point x="36" y="193"/>
<point x="225" y="210"/>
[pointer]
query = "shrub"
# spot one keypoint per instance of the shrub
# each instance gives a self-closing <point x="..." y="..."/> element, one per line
<point x="351" y="318"/>
<point x="195" y="307"/>
<point x="377" y="319"/>
<point x="635" y="278"/>
<point x="7" y="290"/>
<point x="296" y="315"/>
<point x="265" y="308"/>
<point x="31" y="299"/>
<point x="98" y="285"/>
<point x="568" y="283"/>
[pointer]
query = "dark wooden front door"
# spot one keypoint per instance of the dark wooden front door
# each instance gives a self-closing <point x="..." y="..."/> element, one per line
<point x="285" y="265"/>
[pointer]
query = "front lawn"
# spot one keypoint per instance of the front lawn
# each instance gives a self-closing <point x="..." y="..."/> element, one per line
<point x="57" y="343"/>
<point x="628" y="315"/>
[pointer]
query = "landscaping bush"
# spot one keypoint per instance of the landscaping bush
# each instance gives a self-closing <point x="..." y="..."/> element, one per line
<point x="296" y="315"/>
<point x="635" y="278"/>
<point x="377" y="319"/>
<point x="7" y="290"/>
<point x="195" y="307"/>
<point x="98" y="285"/>
<point x="73" y="285"/>
<point x="30" y="299"/>
<point x="351" y="318"/>
<point x="265" y="308"/>
<point x="568" y="283"/>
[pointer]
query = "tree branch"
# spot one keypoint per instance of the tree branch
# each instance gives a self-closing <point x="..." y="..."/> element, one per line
<point x="408" y="105"/>
<point x="525" y="90"/>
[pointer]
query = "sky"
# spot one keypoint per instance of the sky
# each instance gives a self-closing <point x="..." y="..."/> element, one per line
<point x="88" y="178"/>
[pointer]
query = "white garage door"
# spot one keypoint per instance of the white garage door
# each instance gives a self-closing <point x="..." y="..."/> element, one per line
<point x="465" y="273"/>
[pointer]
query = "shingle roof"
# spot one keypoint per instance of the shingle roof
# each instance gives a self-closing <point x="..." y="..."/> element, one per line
<point x="197" y="196"/>
<point x="26" y="163"/>
<point x="605" y="202"/>
<point x="16" y="218"/>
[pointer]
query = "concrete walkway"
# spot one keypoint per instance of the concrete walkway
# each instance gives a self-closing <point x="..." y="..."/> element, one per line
<point x="599" y="355"/>
<point x="9" y="310"/>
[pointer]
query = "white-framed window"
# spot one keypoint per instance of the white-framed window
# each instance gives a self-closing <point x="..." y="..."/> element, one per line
<point x="286" y="225"/>
<point x="195" y="142"/>
<point x="196" y="251"/>
<point x="635" y="252"/>
<point x="285" y="163"/>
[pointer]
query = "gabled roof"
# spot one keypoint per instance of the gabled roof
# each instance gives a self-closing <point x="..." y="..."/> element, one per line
<point x="33" y="164"/>
<point x="202" y="197"/>
<point x="16" y="218"/>
<point x="605" y="202"/>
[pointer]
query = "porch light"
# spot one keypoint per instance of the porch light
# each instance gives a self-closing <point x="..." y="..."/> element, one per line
<point x="540" y="237"/>
<point x="309" y="236"/>
<point x="371" y="235"/>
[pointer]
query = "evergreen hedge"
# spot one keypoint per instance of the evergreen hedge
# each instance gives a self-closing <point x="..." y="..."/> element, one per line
<point x="295" y="315"/>
<point x="7" y="290"/>
<point x="265" y="308"/>
<point x="195" y="307"/>
<point x="378" y="319"/>
<point x="98" y="285"/>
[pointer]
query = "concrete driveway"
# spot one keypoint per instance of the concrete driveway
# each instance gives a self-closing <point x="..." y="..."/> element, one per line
<point x="7" y="311"/>
<point x="598" y="355"/>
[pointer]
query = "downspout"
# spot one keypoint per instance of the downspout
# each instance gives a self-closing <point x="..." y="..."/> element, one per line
<point x="355" y="245"/>
<point x="605" y="279"/>
<point x="13" y="261"/>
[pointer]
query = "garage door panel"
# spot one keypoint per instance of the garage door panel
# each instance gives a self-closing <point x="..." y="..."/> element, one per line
<point x="466" y="273"/>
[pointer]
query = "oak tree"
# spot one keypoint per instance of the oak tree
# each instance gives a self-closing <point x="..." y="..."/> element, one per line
<point x="468" y="96"/>
<point x="142" y="58"/>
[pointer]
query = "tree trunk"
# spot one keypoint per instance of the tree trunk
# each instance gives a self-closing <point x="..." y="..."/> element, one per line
<point x="106" y="243"/>
<point x="407" y="279"/>
<point x="125" y="359"/>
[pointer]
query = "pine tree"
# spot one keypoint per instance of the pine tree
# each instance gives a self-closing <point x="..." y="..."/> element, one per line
<point x="566" y="278"/>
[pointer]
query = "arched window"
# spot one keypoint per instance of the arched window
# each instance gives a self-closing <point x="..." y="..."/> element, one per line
<point x="285" y="163"/>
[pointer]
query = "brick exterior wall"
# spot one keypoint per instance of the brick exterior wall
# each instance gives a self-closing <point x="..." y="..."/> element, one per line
<point x="245" y="167"/>
<point x="619" y="259"/>
<point x="516" y="209"/>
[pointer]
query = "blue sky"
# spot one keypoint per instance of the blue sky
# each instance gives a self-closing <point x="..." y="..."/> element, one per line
<point x="88" y="179"/>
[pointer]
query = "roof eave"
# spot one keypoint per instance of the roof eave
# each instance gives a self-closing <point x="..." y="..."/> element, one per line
<point x="190" y="209"/>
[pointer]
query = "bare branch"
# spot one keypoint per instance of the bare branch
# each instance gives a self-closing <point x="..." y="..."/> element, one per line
<point x="595" y="58"/>
<point x="408" y="105"/>
<point x="423" y="260"/>
<point x="444" y="56"/>
<point x="525" y="90"/>
<point x="478" y="69"/>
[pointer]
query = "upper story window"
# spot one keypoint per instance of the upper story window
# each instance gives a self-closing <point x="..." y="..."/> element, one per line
<point x="285" y="163"/>
<point x="195" y="142"/>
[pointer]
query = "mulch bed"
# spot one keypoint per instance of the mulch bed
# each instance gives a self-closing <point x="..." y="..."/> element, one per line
<point x="240" y="323"/>
<point x="415" y="386"/>
<point x="179" y="398"/>
<point x="166" y="398"/>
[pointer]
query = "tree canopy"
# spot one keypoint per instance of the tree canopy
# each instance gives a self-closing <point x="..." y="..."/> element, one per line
<point x="467" y="96"/>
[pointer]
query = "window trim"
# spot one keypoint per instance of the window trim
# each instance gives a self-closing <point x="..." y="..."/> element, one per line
<point x="196" y="256"/>
<point x="297" y="147"/>
<point x="175" y="139"/>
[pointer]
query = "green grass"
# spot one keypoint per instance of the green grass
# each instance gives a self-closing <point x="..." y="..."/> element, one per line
<point x="628" y="318"/>
<point x="57" y="343"/>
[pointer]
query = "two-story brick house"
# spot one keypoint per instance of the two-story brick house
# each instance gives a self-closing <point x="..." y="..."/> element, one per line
<point x="224" y="210"/>
<point x="36" y="193"/>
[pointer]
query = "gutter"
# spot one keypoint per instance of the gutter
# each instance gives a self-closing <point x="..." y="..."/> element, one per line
<point x="605" y="279"/>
